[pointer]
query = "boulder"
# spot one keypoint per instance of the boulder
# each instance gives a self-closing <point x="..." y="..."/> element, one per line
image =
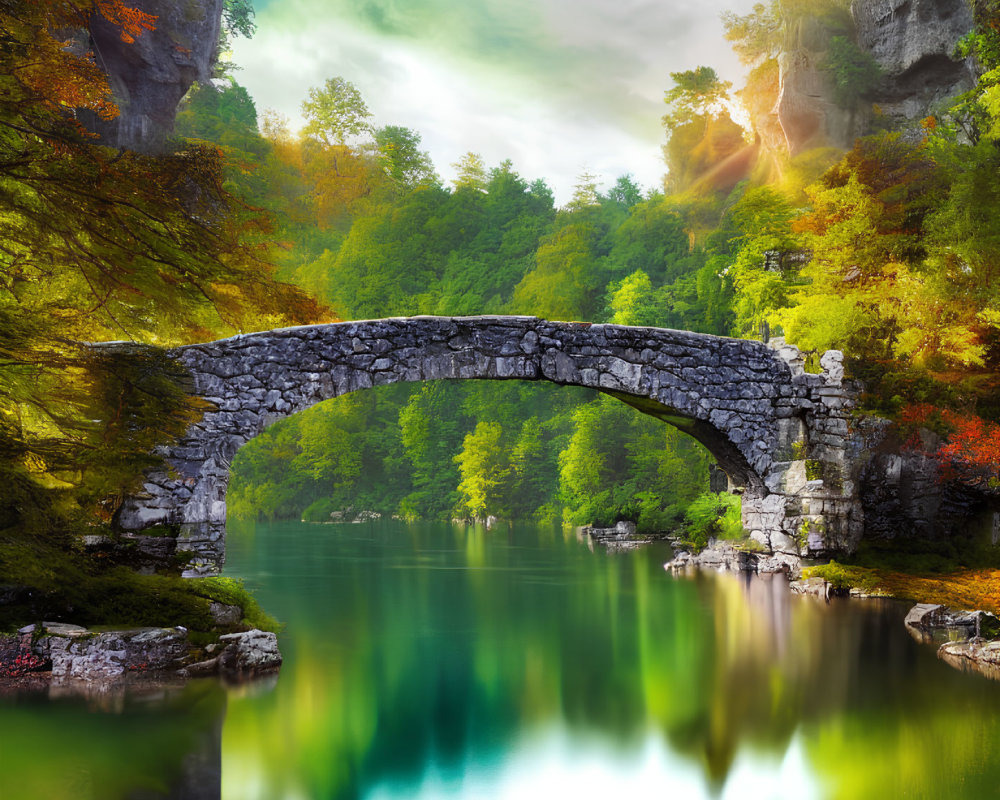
<point x="247" y="654"/>
<point x="225" y="615"/>
<point x="973" y="655"/>
<point x="926" y="616"/>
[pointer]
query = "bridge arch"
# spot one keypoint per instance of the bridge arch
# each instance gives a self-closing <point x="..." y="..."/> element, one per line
<point x="740" y="399"/>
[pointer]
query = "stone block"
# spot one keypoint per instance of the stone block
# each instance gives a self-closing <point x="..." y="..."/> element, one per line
<point x="247" y="654"/>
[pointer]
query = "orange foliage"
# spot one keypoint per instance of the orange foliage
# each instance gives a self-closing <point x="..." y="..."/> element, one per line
<point x="132" y="21"/>
<point x="966" y="589"/>
<point x="57" y="74"/>
<point x="970" y="439"/>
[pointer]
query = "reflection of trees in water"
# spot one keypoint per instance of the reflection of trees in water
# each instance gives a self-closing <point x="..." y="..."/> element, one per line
<point x="198" y="776"/>
<point x="866" y="699"/>
<point x="440" y="649"/>
<point x="133" y="747"/>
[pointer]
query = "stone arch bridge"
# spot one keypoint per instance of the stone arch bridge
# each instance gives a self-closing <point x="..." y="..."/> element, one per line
<point x="779" y="433"/>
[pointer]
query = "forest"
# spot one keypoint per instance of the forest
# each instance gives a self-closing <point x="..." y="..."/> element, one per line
<point x="886" y="251"/>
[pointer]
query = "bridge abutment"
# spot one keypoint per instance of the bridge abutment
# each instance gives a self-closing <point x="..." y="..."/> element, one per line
<point x="811" y="506"/>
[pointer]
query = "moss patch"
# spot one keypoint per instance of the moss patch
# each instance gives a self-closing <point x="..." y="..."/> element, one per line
<point x="232" y="592"/>
<point x="46" y="581"/>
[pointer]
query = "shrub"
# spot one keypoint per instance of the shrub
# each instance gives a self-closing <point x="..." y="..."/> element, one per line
<point x="713" y="516"/>
<point x="853" y="71"/>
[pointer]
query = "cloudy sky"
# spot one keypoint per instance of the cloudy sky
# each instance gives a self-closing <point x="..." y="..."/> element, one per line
<point x="560" y="87"/>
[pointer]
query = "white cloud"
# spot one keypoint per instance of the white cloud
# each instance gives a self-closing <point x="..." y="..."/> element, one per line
<point x="559" y="87"/>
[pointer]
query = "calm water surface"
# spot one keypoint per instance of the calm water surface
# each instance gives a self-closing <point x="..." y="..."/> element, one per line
<point x="434" y="661"/>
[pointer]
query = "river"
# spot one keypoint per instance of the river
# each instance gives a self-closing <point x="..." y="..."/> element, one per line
<point x="438" y="661"/>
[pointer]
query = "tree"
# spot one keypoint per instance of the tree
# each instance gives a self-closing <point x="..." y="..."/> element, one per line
<point x="697" y="94"/>
<point x="758" y="36"/>
<point x="471" y="172"/>
<point x="633" y="301"/>
<point x="487" y="474"/>
<point x="335" y="113"/>
<point x="563" y="283"/>
<point x="431" y="434"/>
<point x="98" y="244"/>
<point x="700" y="132"/>
<point x="585" y="192"/>
<point x="237" y="18"/>
<point x="626" y="192"/>
<point x="402" y="159"/>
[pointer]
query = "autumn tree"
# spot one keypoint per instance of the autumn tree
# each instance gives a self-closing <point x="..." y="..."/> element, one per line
<point x="98" y="244"/>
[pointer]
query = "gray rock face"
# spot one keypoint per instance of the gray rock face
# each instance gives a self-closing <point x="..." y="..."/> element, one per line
<point x="914" y="42"/>
<point x="621" y="532"/>
<point x="721" y="556"/>
<point x="78" y="654"/>
<point x="248" y="654"/>
<point x="750" y="404"/>
<point x="806" y="113"/>
<point x="149" y="76"/>
<point x="905" y="493"/>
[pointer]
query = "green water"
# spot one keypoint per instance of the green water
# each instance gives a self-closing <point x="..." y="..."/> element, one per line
<point x="435" y="661"/>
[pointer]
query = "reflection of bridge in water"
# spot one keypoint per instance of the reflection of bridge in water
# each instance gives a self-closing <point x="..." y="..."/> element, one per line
<point x="753" y="407"/>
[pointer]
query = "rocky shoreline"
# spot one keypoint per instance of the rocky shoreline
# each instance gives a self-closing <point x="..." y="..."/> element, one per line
<point x="732" y="557"/>
<point x="967" y="640"/>
<point x="61" y="658"/>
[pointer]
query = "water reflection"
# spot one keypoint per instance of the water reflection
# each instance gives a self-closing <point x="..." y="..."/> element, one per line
<point x="442" y="652"/>
<point x="163" y="746"/>
<point x="433" y="661"/>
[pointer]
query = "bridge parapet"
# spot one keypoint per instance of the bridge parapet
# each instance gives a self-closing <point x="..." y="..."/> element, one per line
<point x="777" y="431"/>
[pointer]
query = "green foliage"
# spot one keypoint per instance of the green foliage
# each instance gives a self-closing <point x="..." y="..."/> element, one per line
<point x="854" y="72"/>
<point x="758" y="36"/>
<point x="633" y="301"/>
<point x="224" y="115"/>
<point x="237" y="18"/>
<point x="843" y="576"/>
<point x="404" y="162"/>
<point x="231" y="591"/>
<point x="713" y="516"/>
<point x="618" y="464"/>
<point x="697" y="94"/>
<point x="487" y="474"/>
<point x="335" y="113"/>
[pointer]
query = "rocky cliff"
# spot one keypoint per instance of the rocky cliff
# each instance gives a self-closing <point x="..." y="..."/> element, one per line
<point x="913" y="41"/>
<point x="805" y="111"/>
<point x="150" y="75"/>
